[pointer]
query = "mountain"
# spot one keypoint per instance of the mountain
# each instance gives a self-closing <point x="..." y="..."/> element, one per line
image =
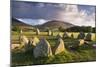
<point x="17" y="23"/>
<point x="55" y="24"/>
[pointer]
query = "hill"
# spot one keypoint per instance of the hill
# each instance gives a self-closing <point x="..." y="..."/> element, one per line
<point x="19" y="24"/>
<point x="55" y="24"/>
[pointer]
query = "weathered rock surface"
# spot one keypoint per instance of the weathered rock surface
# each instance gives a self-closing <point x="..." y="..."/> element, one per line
<point x="42" y="49"/>
<point x="60" y="47"/>
<point x="49" y="33"/>
<point x="37" y="31"/>
<point x="35" y="41"/>
<point x="81" y="35"/>
<point x="88" y="37"/>
<point x="65" y="35"/>
<point x="23" y="40"/>
<point x="13" y="46"/>
<point x="72" y="35"/>
<point x="79" y="42"/>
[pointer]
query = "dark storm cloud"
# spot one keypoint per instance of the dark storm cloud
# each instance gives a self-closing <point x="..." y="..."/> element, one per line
<point x="35" y="10"/>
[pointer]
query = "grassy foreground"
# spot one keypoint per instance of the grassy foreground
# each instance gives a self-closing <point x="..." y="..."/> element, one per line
<point x="79" y="54"/>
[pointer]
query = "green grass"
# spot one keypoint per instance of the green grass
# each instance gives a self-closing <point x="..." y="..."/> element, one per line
<point x="15" y="35"/>
<point x="80" y="54"/>
<point x="27" y="58"/>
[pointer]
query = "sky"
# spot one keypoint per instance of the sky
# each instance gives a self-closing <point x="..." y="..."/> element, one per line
<point x="38" y="13"/>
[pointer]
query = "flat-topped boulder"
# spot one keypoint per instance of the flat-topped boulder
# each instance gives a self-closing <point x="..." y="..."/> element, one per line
<point x="81" y="35"/>
<point x="42" y="49"/>
<point x="60" y="47"/>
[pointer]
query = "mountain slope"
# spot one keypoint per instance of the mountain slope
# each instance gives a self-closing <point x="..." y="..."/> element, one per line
<point x="20" y="25"/>
<point x="16" y="22"/>
<point x="55" y="24"/>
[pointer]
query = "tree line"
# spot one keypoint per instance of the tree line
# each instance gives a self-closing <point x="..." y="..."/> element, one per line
<point x="79" y="29"/>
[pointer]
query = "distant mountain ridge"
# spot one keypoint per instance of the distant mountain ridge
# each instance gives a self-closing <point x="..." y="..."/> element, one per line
<point x="56" y="24"/>
<point x="20" y="25"/>
<point x="16" y="22"/>
<point x="53" y="24"/>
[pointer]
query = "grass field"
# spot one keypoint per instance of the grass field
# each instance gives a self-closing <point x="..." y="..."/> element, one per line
<point x="80" y="54"/>
<point x="15" y="35"/>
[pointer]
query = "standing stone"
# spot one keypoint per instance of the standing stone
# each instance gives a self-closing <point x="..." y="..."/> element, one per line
<point x="21" y="32"/>
<point x="37" y="31"/>
<point x="59" y="36"/>
<point x="35" y="41"/>
<point x="49" y="32"/>
<point x="88" y="37"/>
<point x="31" y="43"/>
<point x="81" y="35"/>
<point x="81" y="42"/>
<point x="66" y="35"/>
<point x="78" y="42"/>
<point x="28" y="46"/>
<point x="59" y="47"/>
<point x="13" y="46"/>
<point x="72" y="35"/>
<point x="24" y="40"/>
<point x="42" y="49"/>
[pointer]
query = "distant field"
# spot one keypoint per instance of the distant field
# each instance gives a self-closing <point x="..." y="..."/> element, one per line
<point x="15" y="35"/>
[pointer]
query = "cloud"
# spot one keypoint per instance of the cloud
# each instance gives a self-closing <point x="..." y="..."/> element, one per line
<point x="32" y="21"/>
<point x="40" y="5"/>
<point x="85" y="15"/>
<point x="73" y="15"/>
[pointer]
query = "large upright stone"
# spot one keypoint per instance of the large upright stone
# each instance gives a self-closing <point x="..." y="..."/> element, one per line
<point x="37" y="31"/>
<point x="23" y="40"/>
<point x="31" y="43"/>
<point x="21" y="32"/>
<point x="43" y="49"/>
<point x="49" y="32"/>
<point x="52" y="33"/>
<point x="65" y="35"/>
<point x="72" y="35"/>
<point x="35" y="41"/>
<point x="60" y="47"/>
<point x="28" y="46"/>
<point x="81" y="35"/>
<point x="88" y="37"/>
